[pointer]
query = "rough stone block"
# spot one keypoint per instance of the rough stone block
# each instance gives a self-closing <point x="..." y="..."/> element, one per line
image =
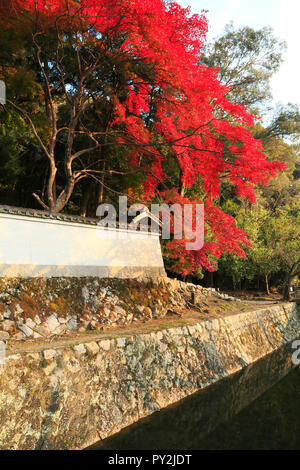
<point x="30" y="323"/>
<point x="80" y="348"/>
<point x="105" y="344"/>
<point x="121" y="342"/>
<point x="52" y="322"/>
<point x="4" y="335"/>
<point x="49" y="354"/>
<point x="26" y="330"/>
<point x="92" y="347"/>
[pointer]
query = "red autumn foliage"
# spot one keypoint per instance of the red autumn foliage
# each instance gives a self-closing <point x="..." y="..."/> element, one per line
<point x="180" y="100"/>
<point x="221" y="236"/>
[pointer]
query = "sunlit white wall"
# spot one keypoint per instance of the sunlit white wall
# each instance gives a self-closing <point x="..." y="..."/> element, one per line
<point x="37" y="247"/>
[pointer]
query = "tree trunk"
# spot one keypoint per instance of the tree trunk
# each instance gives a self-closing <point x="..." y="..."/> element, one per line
<point x="101" y="188"/>
<point x="287" y="288"/>
<point x="51" y="190"/>
<point x="64" y="196"/>
<point x="294" y="271"/>
<point x="267" y="284"/>
<point x="182" y="190"/>
<point x="85" y="199"/>
<point x="181" y="185"/>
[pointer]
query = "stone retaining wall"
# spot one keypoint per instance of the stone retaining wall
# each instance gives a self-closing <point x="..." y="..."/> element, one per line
<point x="72" y="397"/>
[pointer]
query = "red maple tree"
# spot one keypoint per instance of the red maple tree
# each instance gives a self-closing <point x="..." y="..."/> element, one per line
<point x="170" y="106"/>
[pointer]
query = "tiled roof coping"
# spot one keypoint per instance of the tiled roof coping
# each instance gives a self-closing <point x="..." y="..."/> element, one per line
<point x="41" y="214"/>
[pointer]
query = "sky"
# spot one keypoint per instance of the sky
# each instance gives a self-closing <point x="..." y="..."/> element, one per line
<point x="282" y="15"/>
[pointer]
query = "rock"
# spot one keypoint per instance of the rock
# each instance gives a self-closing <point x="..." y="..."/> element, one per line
<point x="129" y="317"/>
<point x="36" y="335"/>
<point x="52" y="322"/>
<point x="119" y="310"/>
<point x="4" y="335"/>
<point x="26" y="330"/>
<point x="72" y="324"/>
<point x="34" y="356"/>
<point x="62" y="320"/>
<point x="43" y="330"/>
<point x="85" y="295"/>
<point x="195" y="298"/>
<point x="7" y="325"/>
<point x="163" y="347"/>
<point x="106" y="311"/>
<point x="105" y="344"/>
<point x="191" y="329"/>
<point x="50" y="368"/>
<point x="19" y="336"/>
<point x="114" y="299"/>
<point x="49" y="354"/>
<point x="7" y="314"/>
<point x="121" y="342"/>
<point x="18" y="309"/>
<point x="164" y="312"/>
<point x="103" y="292"/>
<point x="80" y="348"/>
<point x="91" y="326"/>
<point x="30" y="323"/>
<point x="2" y="352"/>
<point x="60" y="330"/>
<point x="37" y="320"/>
<point x="155" y="311"/>
<point x="92" y="347"/>
<point x="159" y="335"/>
<point x="14" y="357"/>
<point x="148" y="312"/>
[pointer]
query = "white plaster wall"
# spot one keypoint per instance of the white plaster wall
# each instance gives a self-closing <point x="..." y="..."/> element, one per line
<point x="33" y="247"/>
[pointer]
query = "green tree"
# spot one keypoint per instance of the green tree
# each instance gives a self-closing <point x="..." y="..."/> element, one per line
<point x="246" y="60"/>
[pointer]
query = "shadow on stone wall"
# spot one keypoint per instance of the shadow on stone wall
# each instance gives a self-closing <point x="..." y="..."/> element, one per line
<point x="186" y="424"/>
